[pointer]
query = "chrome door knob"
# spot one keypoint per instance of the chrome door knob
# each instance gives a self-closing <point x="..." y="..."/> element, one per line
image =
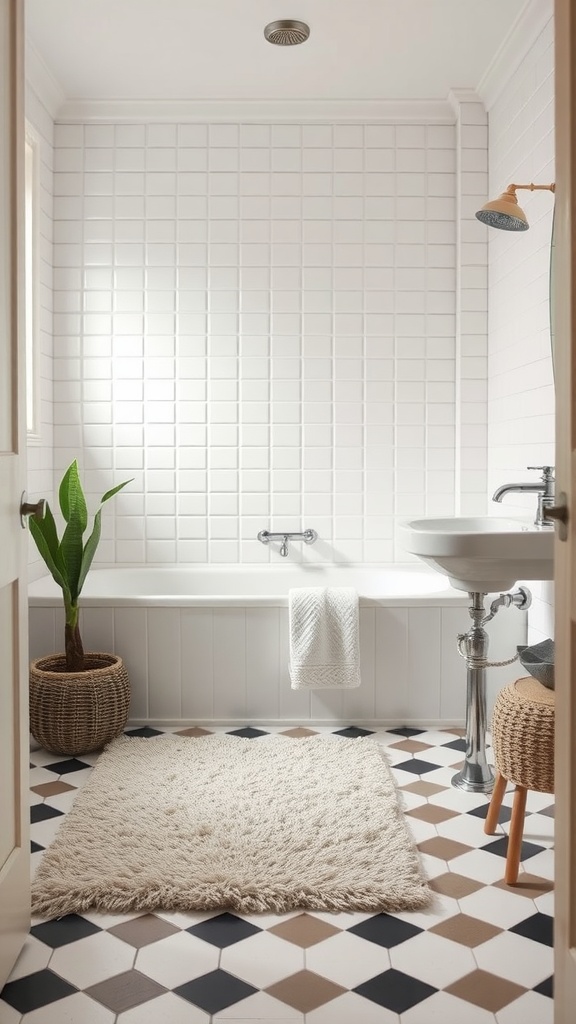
<point x="27" y="508"/>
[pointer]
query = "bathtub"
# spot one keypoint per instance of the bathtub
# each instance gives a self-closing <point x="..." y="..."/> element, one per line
<point x="209" y="645"/>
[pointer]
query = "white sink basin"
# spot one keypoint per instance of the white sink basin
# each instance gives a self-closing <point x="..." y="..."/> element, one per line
<point x="482" y="553"/>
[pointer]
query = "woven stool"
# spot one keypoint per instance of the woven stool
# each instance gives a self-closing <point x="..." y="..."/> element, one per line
<point x="523" y="742"/>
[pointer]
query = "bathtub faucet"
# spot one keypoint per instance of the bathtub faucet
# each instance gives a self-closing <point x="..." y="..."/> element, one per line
<point x="308" y="536"/>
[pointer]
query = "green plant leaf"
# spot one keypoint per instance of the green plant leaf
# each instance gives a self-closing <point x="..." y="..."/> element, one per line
<point x="72" y="500"/>
<point x="44" y="534"/>
<point x="110" y="494"/>
<point x="89" y="550"/>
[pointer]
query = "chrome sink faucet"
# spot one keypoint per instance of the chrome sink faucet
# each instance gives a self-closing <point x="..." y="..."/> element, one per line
<point x="543" y="487"/>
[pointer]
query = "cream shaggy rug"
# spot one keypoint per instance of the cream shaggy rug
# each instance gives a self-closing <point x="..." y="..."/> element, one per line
<point x="271" y="824"/>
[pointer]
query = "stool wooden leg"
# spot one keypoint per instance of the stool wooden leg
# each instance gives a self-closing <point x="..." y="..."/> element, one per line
<point x="515" y="837"/>
<point x="495" y="804"/>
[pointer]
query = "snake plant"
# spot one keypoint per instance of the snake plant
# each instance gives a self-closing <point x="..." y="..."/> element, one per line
<point x="69" y="559"/>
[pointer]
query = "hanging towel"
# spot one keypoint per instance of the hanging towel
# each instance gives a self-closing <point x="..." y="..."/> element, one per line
<point x="324" y="638"/>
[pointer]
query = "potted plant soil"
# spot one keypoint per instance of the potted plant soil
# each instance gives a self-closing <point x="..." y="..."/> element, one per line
<point x="78" y="701"/>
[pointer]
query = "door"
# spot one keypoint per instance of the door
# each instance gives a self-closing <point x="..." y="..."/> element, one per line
<point x="564" y="299"/>
<point x="14" y="843"/>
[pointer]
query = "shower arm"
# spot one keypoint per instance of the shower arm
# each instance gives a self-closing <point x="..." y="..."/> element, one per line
<point x="511" y="190"/>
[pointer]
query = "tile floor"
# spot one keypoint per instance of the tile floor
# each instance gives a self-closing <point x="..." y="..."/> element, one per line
<point x="481" y="954"/>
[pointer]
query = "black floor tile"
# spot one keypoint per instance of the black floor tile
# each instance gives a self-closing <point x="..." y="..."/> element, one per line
<point x="504" y="814"/>
<point x="500" y="848"/>
<point x="248" y="732"/>
<point x="71" y="764"/>
<point x="546" y="988"/>
<point x="144" y="730"/>
<point x="385" y="930"/>
<point x="223" y="930"/>
<point x="36" y="990"/>
<point x="417" y="766"/>
<point x="396" y="991"/>
<point x="459" y="744"/>
<point x="406" y="731"/>
<point x="353" y="731"/>
<point x="41" y="812"/>
<point x="215" y="991"/>
<point x="539" y="927"/>
<point x="35" y="847"/>
<point x="64" y="930"/>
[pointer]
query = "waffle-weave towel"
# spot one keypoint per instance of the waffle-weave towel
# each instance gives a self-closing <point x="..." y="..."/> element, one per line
<point x="324" y="638"/>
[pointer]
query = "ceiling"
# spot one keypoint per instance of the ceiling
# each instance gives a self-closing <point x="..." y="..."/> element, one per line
<point x="215" y="49"/>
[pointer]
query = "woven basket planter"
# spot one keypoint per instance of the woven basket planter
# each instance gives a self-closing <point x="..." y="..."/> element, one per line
<point x="76" y="712"/>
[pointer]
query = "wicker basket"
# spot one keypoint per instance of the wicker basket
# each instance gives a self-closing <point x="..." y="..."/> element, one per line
<point x="523" y="734"/>
<point x="76" y="712"/>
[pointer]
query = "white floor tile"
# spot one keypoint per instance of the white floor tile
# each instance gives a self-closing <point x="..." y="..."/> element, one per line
<point x="347" y="960"/>
<point x="166" y="1009"/>
<point x="76" y="1009"/>
<point x="262" y="960"/>
<point x="484" y="867"/>
<point x="351" y="1008"/>
<point x="258" y="1008"/>
<point x="442" y="1008"/>
<point x="440" y="908"/>
<point x="8" y="1015"/>
<point x="466" y="828"/>
<point x="35" y="956"/>
<point x="90" y="960"/>
<point x="514" y="957"/>
<point x="177" y="959"/>
<point x="542" y="864"/>
<point x="433" y="959"/>
<point x="504" y="909"/>
<point x="531" y="1008"/>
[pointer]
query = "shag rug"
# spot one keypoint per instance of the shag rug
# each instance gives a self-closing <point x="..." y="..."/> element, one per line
<point x="273" y="824"/>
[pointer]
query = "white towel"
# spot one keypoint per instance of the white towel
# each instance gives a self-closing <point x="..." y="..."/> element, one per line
<point x="324" y="638"/>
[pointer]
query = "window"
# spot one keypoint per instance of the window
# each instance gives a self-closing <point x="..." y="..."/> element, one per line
<point x="31" y="233"/>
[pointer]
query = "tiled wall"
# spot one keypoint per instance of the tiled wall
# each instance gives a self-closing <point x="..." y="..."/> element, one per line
<point x="40" y="453"/>
<point x="521" y="387"/>
<point x="258" y="323"/>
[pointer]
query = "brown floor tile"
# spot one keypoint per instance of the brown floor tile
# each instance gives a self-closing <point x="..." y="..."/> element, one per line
<point x="452" y="884"/>
<point x="455" y="731"/>
<point x="304" y="930"/>
<point x="305" y="991"/>
<point x="423" y="788"/>
<point x="486" y="990"/>
<point x="527" y="885"/>
<point x="298" y="733"/>
<point x="468" y="931"/>
<point x="445" y="849"/>
<point x="125" y="991"/>
<point x="52" y="788"/>
<point x="432" y="813"/>
<point x="141" y="931"/>
<point x="410" y="746"/>
<point x="194" y="730"/>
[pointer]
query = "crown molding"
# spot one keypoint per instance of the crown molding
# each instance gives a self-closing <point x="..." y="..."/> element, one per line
<point x="524" y="32"/>
<point x="42" y="82"/>
<point x="457" y="97"/>
<point x="271" y="111"/>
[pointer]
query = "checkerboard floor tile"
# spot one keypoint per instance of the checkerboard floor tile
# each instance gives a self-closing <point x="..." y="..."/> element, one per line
<point x="482" y="954"/>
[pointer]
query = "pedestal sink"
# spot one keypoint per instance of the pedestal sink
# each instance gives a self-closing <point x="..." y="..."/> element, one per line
<point x="481" y="554"/>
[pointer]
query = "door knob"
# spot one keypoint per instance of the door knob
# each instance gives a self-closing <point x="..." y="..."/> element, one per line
<point x="28" y="509"/>
<point x="559" y="512"/>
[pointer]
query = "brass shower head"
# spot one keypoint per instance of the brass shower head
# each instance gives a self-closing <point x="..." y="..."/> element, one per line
<point x="505" y="213"/>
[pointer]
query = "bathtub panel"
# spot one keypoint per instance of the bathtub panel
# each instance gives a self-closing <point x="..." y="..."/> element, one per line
<point x="197" y="663"/>
<point x="98" y="630"/>
<point x="44" y="638"/>
<point x="262" y="663"/>
<point x="164" y="667"/>
<point x="359" y="704"/>
<point x="294" y="704"/>
<point x="229" y="663"/>
<point x="130" y="628"/>
<point x="424" y="664"/>
<point x="391" y="665"/>
<point x="452" y="666"/>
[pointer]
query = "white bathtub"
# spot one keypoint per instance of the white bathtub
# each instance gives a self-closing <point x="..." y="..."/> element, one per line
<point x="210" y="644"/>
